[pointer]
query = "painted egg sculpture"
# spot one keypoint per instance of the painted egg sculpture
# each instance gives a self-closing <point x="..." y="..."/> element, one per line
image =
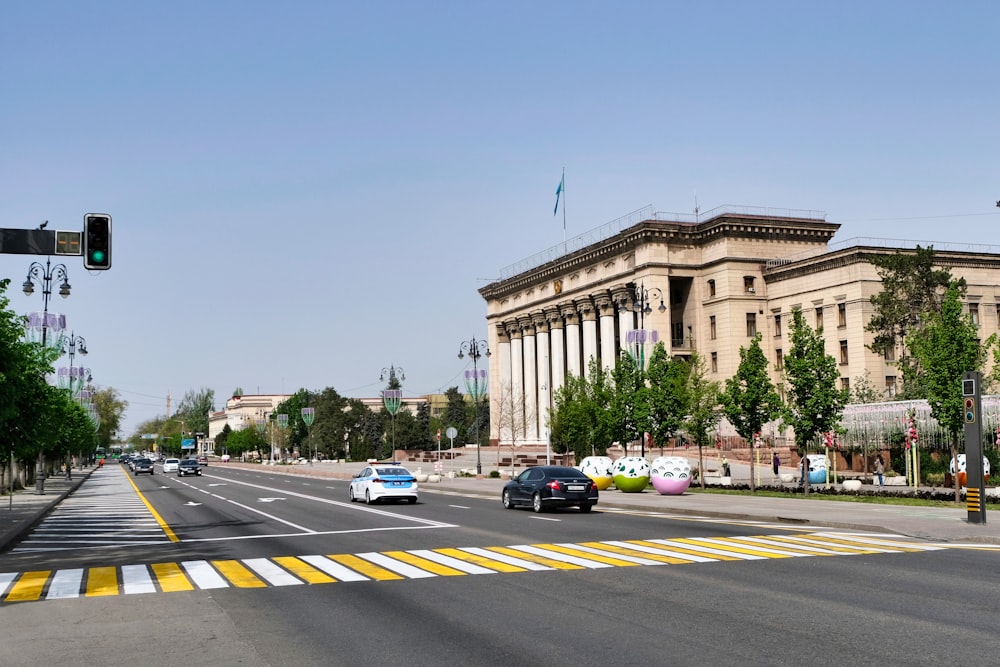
<point x="963" y="470"/>
<point x="670" y="475"/>
<point x="817" y="468"/>
<point x="598" y="468"/>
<point x="631" y="474"/>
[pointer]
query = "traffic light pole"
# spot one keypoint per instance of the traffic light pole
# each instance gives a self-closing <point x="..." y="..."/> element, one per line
<point x="975" y="483"/>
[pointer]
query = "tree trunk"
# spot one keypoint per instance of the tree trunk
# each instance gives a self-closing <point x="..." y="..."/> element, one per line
<point x="701" y="467"/>
<point x="753" y="485"/>
<point x="954" y="457"/>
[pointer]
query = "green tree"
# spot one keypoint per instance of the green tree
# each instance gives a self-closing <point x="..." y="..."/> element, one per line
<point x="298" y="431"/>
<point x="458" y="412"/>
<point x="704" y="410"/>
<point x="110" y="409"/>
<point x="194" y="409"/>
<point x="574" y="418"/>
<point x="750" y="399"/>
<point x="946" y="347"/>
<point x="814" y="404"/>
<point x="912" y="288"/>
<point x="629" y="406"/>
<point x="864" y="390"/>
<point x="667" y="394"/>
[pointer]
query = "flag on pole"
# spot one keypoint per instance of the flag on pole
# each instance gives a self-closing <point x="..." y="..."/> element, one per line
<point x="559" y="190"/>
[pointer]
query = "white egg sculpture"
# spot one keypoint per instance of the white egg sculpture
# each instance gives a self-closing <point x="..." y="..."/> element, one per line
<point x="670" y="475"/>
<point x="598" y="468"/>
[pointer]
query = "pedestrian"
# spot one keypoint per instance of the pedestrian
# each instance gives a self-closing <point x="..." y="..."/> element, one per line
<point x="725" y="466"/>
<point x="775" y="463"/>
<point x="880" y="471"/>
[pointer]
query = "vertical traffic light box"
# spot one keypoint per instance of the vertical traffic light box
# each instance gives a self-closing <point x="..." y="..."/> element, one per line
<point x="97" y="241"/>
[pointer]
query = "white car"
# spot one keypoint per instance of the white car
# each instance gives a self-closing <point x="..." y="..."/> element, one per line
<point x="380" y="481"/>
<point x="170" y="465"/>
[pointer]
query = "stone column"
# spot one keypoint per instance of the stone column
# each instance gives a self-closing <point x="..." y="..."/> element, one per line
<point x="499" y="379"/>
<point x="606" y="311"/>
<point x="513" y="394"/>
<point x="544" y="380"/>
<point x="557" y="340"/>
<point x="589" y="332"/>
<point x="530" y="401"/>
<point x="624" y="298"/>
<point x="572" y="320"/>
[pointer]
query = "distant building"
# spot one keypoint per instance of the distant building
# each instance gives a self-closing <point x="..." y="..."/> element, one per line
<point x="707" y="283"/>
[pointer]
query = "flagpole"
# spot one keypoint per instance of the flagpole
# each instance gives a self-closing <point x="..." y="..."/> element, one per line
<point x="564" y="208"/>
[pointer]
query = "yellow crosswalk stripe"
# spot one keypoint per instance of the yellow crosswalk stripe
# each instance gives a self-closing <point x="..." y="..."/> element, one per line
<point x="677" y="546"/>
<point x="569" y="551"/>
<point x="541" y="560"/>
<point x="729" y="545"/>
<point x="171" y="578"/>
<point x="238" y="574"/>
<point x="482" y="561"/>
<point x="370" y="570"/>
<point x="424" y="564"/>
<point x="304" y="570"/>
<point x="663" y="558"/>
<point x="29" y="586"/>
<point x="803" y="540"/>
<point x="102" y="581"/>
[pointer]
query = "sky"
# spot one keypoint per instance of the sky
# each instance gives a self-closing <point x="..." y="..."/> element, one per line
<point x="306" y="193"/>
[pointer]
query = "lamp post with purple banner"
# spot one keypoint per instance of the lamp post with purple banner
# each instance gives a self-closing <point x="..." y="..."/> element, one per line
<point x="475" y="384"/>
<point x="637" y="338"/>
<point x="392" y="396"/>
<point x="308" y="416"/>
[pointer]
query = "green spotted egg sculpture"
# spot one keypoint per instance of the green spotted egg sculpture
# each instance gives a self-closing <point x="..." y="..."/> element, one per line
<point x="631" y="474"/>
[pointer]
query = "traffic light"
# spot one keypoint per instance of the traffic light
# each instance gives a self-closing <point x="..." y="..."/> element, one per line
<point x="97" y="241"/>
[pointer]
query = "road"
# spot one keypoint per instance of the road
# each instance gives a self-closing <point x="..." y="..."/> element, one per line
<point x="250" y="567"/>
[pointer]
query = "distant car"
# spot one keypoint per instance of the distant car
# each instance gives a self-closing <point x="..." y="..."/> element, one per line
<point x="382" y="481"/>
<point x="188" y="467"/>
<point x="203" y="460"/>
<point x="225" y="458"/>
<point x="142" y="465"/>
<point x="170" y="465"/>
<point x="545" y="487"/>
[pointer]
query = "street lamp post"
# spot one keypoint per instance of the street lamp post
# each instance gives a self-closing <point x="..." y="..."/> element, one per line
<point x="282" y="424"/>
<point x="476" y="384"/>
<point x="75" y="376"/>
<point x="308" y="416"/>
<point x="45" y="275"/>
<point x="392" y="396"/>
<point x="638" y="338"/>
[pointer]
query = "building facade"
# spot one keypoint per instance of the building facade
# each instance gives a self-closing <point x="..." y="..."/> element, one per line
<point x="707" y="283"/>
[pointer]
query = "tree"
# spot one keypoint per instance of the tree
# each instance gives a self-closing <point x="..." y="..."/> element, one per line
<point x="110" y="409"/>
<point x="509" y="419"/>
<point x="574" y="419"/>
<point x="814" y="404"/>
<point x="194" y="409"/>
<point x="946" y="347"/>
<point x="667" y="394"/>
<point x="704" y="411"/>
<point x="629" y="405"/>
<point x="864" y="390"/>
<point x="912" y="288"/>
<point x="750" y="399"/>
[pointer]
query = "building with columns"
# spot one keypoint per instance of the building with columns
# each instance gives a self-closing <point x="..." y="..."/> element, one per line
<point x="707" y="283"/>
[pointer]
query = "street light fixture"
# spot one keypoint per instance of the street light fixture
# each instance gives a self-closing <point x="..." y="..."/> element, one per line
<point x="637" y="338"/>
<point x="392" y="396"/>
<point x="282" y="424"/>
<point x="308" y="416"/>
<point x="45" y="275"/>
<point x="475" y="383"/>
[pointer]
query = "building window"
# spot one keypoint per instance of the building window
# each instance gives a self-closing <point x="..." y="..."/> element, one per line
<point x="751" y="325"/>
<point x="715" y="362"/>
<point x="777" y="326"/>
<point x="890" y="352"/>
<point x="748" y="285"/>
<point x="843" y="352"/>
<point x="819" y="317"/>
<point x="974" y="313"/>
<point x="845" y="384"/>
<point x="711" y="327"/>
<point x="779" y="360"/>
<point x="711" y="288"/>
<point x="841" y="314"/>
<point x="890" y="386"/>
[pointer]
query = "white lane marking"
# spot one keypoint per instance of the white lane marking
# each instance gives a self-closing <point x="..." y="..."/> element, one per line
<point x="333" y="568"/>
<point x="468" y="568"/>
<point x="544" y="518"/>
<point x="204" y="575"/>
<point x="510" y="560"/>
<point x="461" y="507"/>
<point x="558" y="555"/>
<point x="275" y="575"/>
<point x="396" y="566"/>
<point x="611" y="554"/>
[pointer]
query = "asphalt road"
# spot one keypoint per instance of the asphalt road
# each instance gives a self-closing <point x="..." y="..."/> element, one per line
<point x="747" y="597"/>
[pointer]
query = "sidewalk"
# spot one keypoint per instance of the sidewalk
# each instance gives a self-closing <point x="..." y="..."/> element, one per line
<point x="23" y="510"/>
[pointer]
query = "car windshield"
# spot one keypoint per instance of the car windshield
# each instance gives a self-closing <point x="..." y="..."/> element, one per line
<point x="565" y="472"/>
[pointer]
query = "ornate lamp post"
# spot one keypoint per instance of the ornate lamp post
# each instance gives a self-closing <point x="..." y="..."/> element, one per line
<point x="637" y="338"/>
<point x="475" y="383"/>
<point x="282" y="424"/>
<point x="45" y="275"/>
<point x="308" y="416"/>
<point x="73" y="378"/>
<point x="392" y="396"/>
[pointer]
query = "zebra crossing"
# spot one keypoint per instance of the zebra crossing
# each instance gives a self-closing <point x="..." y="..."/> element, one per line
<point x="106" y="511"/>
<point x="428" y="563"/>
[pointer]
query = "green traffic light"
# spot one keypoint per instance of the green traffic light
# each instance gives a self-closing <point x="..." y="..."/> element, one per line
<point x="97" y="256"/>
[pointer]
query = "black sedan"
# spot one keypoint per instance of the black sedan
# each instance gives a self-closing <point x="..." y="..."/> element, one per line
<point x="142" y="465"/>
<point x="542" y="487"/>
<point x="188" y="467"/>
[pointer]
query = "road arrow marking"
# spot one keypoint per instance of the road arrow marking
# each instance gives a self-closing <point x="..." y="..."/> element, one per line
<point x="269" y="500"/>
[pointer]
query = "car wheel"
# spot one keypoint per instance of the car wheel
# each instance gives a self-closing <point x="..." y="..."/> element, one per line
<point x="536" y="502"/>
<point x="368" y="496"/>
<point x="507" y="502"/>
<point x="350" y="493"/>
<point x="586" y="508"/>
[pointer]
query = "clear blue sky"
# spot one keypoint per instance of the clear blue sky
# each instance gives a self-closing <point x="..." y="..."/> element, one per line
<point x="304" y="193"/>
